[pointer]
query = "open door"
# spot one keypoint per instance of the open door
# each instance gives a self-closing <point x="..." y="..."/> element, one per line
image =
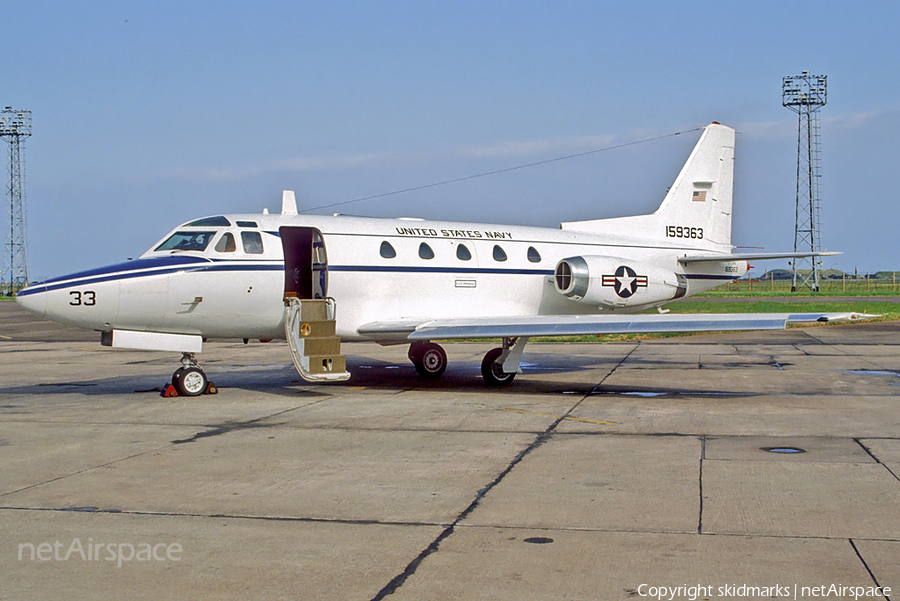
<point x="305" y="262"/>
<point x="309" y="318"/>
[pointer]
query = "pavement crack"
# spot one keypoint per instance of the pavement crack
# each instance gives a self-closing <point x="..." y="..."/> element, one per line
<point x="247" y="425"/>
<point x="400" y="579"/>
<point x="877" y="460"/>
<point x="76" y="473"/>
<point x="866" y="565"/>
<point x="797" y="347"/>
<point x="596" y="388"/>
<point x="227" y="516"/>
<point x="700" y="478"/>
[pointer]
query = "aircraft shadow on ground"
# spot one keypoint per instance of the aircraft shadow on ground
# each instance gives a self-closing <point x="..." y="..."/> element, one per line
<point x="542" y="374"/>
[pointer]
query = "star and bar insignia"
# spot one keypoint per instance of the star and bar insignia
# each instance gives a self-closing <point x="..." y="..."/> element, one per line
<point x="626" y="281"/>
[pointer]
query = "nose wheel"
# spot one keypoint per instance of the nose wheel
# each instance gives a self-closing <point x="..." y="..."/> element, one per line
<point x="429" y="358"/>
<point x="189" y="380"/>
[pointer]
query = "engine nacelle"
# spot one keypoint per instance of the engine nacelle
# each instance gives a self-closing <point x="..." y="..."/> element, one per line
<point x="615" y="282"/>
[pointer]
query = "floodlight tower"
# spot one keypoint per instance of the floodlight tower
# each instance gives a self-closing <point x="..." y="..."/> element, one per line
<point x="805" y="94"/>
<point x="15" y="126"/>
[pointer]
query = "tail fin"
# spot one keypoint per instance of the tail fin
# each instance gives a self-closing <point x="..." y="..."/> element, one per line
<point x="696" y="211"/>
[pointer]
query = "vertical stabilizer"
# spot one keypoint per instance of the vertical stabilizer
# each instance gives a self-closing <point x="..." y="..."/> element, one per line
<point x="701" y="194"/>
<point x="696" y="211"/>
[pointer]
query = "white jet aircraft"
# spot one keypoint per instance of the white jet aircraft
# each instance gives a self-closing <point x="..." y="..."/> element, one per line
<point x="320" y="280"/>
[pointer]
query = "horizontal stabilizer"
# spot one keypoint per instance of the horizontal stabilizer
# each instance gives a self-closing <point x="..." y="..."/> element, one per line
<point x="724" y="258"/>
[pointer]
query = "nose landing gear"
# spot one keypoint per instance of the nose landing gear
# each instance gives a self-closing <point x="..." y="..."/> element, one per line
<point x="189" y="380"/>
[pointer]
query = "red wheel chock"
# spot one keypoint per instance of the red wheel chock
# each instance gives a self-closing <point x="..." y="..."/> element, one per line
<point x="170" y="392"/>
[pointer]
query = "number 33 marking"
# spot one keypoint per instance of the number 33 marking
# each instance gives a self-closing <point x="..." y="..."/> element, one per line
<point x="86" y="298"/>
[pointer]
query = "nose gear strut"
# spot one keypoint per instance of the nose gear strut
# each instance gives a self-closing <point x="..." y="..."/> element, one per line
<point x="189" y="379"/>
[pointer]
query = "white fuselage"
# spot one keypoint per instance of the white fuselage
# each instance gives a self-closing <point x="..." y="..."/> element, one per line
<point x="235" y="290"/>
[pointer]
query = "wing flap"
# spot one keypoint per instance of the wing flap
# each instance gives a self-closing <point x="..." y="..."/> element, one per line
<point x="573" y="325"/>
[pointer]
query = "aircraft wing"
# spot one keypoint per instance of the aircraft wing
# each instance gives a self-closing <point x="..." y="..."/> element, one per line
<point x="568" y="325"/>
<point x="725" y="257"/>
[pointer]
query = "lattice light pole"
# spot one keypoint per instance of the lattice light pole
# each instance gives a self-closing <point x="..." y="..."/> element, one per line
<point x="15" y="126"/>
<point x="805" y="94"/>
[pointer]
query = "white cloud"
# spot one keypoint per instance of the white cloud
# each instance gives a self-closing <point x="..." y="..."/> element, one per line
<point x="788" y="127"/>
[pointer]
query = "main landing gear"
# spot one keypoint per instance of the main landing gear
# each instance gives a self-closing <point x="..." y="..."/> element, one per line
<point x="189" y="379"/>
<point x="499" y="367"/>
<point x="429" y="358"/>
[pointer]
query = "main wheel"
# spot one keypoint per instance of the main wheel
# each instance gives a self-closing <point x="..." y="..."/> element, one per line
<point x="430" y="360"/>
<point x="189" y="381"/>
<point x="415" y="351"/>
<point x="492" y="372"/>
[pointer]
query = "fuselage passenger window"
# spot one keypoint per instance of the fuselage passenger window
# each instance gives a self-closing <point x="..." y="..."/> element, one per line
<point x="425" y="251"/>
<point x="499" y="253"/>
<point x="533" y="255"/>
<point x="252" y="241"/>
<point x="462" y="253"/>
<point x="226" y="243"/>
<point x="387" y="251"/>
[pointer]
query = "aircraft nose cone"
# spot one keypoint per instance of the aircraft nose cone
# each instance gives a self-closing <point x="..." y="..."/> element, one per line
<point x="33" y="301"/>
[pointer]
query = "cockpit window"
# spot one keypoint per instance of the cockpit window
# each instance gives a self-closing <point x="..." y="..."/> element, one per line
<point x="252" y="241"/>
<point x="246" y="224"/>
<point x="187" y="241"/>
<point x="226" y="243"/>
<point x="218" y="221"/>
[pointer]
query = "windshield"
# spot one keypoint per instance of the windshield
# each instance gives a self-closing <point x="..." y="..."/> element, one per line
<point x="187" y="241"/>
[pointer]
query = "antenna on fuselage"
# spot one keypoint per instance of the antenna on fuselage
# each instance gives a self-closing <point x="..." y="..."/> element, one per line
<point x="288" y="203"/>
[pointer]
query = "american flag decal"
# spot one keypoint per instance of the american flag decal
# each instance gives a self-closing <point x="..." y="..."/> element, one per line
<point x="699" y="195"/>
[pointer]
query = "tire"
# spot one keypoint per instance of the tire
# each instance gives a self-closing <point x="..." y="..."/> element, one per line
<point x="190" y="381"/>
<point x="177" y="375"/>
<point x="430" y="360"/>
<point x="415" y="351"/>
<point x="492" y="372"/>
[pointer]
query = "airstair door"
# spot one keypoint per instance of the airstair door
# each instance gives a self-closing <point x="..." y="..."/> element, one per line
<point x="310" y="315"/>
<point x="305" y="262"/>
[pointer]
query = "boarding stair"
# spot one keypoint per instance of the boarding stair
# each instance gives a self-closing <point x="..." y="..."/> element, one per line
<point x="309" y="326"/>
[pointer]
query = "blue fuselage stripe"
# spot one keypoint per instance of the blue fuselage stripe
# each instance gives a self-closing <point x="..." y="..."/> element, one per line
<point x="412" y="269"/>
<point x="115" y="272"/>
<point x="110" y="276"/>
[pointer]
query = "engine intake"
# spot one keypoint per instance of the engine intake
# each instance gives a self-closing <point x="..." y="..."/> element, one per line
<point x="615" y="282"/>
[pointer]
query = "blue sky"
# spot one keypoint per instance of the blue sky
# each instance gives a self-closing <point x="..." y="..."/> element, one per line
<point x="147" y="114"/>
